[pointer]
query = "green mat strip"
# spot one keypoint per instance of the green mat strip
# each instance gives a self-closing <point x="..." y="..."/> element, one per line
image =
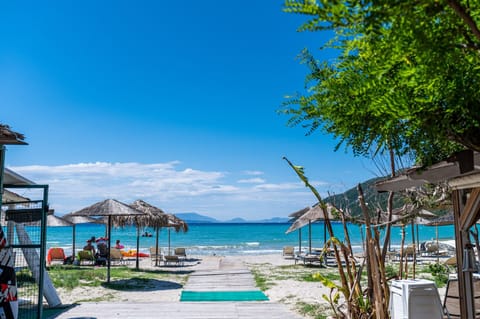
<point x="255" y="295"/>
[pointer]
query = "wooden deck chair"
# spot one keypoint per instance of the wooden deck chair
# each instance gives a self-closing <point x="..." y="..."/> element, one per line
<point x="451" y="302"/>
<point x="116" y="256"/>
<point x="288" y="251"/>
<point x="180" y="252"/>
<point x="55" y="254"/>
<point x="173" y="259"/>
<point x="85" y="257"/>
<point x="154" y="257"/>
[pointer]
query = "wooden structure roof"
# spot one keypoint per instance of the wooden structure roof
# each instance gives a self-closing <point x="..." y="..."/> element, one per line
<point x="7" y="136"/>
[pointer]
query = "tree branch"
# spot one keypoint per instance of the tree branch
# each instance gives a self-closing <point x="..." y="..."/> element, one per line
<point x="462" y="13"/>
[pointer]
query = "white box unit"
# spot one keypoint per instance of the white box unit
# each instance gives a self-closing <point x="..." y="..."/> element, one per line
<point x="415" y="299"/>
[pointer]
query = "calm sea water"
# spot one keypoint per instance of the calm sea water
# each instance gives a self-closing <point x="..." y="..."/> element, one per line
<point x="229" y="239"/>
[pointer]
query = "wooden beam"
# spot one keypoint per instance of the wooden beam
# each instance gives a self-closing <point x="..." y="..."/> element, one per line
<point x="465" y="287"/>
<point x="471" y="210"/>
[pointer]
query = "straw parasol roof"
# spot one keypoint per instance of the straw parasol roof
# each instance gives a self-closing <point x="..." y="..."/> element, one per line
<point x="313" y="214"/>
<point x="298" y="213"/>
<point x="52" y="221"/>
<point x="108" y="207"/>
<point x="81" y="219"/>
<point x="177" y="223"/>
<point x="152" y="216"/>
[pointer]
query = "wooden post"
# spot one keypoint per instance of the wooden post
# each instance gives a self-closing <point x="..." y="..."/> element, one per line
<point x="465" y="284"/>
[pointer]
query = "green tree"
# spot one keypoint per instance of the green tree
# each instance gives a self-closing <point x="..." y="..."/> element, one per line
<point x="406" y="78"/>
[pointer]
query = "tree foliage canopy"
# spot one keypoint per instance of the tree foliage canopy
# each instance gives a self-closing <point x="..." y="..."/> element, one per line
<point x="406" y="77"/>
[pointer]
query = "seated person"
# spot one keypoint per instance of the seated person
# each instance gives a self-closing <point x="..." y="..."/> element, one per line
<point x="102" y="250"/>
<point x="118" y="245"/>
<point x="89" y="247"/>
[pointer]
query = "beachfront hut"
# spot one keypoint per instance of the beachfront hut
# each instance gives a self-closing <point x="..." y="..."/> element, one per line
<point x="108" y="208"/>
<point x="461" y="172"/>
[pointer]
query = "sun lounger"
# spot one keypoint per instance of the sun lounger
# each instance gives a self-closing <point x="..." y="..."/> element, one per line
<point x="288" y="251"/>
<point x="180" y="252"/>
<point x="55" y="254"/>
<point x="116" y="257"/>
<point x="155" y="257"/>
<point x="172" y="259"/>
<point x="85" y="257"/>
<point x="309" y="259"/>
<point x="451" y="303"/>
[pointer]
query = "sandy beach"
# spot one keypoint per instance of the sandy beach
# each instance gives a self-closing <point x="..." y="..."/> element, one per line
<point x="283" y="283"/>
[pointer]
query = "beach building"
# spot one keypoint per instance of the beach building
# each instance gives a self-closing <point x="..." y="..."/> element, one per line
<point x="22" y="252"/>
<point x="462" y="173"/>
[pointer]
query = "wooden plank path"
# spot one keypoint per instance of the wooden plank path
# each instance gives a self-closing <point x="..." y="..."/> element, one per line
<point x="180" y="310"/>
<point x="223" y="275"/>
<point x="227" y="275"/>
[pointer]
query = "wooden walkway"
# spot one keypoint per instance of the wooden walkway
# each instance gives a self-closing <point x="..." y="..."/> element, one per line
<point x="222" y="276"/>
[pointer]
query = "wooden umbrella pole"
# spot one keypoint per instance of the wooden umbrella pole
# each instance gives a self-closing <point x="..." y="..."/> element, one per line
<point x="109" y="245"/>
<point x="73" y="244"/>
<point x="309" y="237"/>
<point x="414" y="249"/>
<point x="436" y="234"/>
<point x="299" y="240"/>
<point x="156" y="248"/>
<point x="169" y="241"/>
<point x="138" y="247"/>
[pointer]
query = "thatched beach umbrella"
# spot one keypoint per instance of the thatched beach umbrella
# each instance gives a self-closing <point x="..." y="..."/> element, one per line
<point x="312" y="215"/>
<point x="152" y="217"/>
<point x="294" y="216"/>
<point x="108" y="208"/>
<point x="52" y="221"/>
<point x="177" y="224"/>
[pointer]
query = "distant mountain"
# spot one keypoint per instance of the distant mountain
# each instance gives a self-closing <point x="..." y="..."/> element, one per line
<point x="236" y="220"/>
<point x="349" y="199"/>
<point x="195" y="218"/>
<point x="274" y="220"/>
<point x="192" y="218"/>
<point x="270" y="220"/>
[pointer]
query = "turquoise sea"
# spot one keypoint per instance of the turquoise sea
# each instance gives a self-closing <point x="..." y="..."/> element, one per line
<point x="230" y="239"/>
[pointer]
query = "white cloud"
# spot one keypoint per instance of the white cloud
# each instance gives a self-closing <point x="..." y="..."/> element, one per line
<point x="251" y="181"/>
<point x="75" y="186"/>
<point x="254" y="173"/>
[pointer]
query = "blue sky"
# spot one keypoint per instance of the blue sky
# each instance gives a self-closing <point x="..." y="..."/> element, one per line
<point x="171" y="102"/>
